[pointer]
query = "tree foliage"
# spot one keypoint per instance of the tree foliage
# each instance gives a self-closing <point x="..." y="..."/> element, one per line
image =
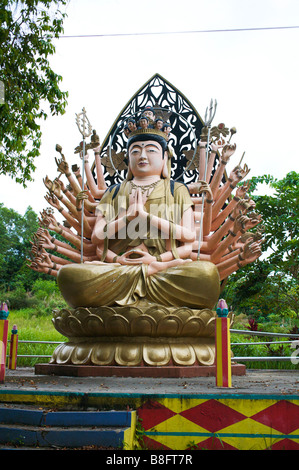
<point x="280" y="212"/>
<point x="270" y="285"/>
<point x="27" y="30"/>
<point x="16" y="232"/>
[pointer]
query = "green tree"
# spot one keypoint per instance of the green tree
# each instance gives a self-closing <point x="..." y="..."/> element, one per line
<point x="280" y="212"/>
<point x="27" y="30"/>
<point x="15" y="234"/>
<point x="270" y="285"/>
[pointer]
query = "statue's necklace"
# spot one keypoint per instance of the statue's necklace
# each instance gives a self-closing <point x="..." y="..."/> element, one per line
<point x="144" y="188"/>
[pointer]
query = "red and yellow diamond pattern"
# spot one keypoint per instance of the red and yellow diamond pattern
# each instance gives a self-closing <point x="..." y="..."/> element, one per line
<point x="181" y="423"/>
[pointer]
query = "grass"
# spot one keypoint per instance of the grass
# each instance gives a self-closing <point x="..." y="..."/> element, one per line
<point x="34" y="328"/>
<point x="34" y="324"/>
<point x="271" y="350"/>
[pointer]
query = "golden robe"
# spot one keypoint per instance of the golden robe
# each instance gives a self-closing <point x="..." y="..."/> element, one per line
<point x="195" y="284"/>
<point x="168" y="200"/>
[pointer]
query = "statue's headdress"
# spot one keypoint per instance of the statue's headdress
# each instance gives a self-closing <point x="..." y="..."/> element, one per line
<point x="148" y="134"/>
<point x="151" y="133"/>
<point x="149" y="108"/>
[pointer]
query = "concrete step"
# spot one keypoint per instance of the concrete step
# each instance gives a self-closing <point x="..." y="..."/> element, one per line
<point x="22" y="435"/>
<point x="31" y="427"/>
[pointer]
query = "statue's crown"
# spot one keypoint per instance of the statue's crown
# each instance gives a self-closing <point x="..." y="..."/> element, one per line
<point x="152" y="128"/>
<point x="148" y="131"/>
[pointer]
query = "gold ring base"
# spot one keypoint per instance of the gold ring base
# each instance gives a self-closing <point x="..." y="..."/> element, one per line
<point x="145" y="336"/>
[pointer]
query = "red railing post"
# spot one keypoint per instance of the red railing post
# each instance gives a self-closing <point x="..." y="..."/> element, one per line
<point x="13" y="351"/>
<point x="3" y="339"/>
<point x="222" y="346"/>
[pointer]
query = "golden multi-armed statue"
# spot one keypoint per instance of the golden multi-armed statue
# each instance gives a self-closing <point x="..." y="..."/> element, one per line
<point x="142" y="261"/>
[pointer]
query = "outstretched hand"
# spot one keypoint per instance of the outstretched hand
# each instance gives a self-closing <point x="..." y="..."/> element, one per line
<point x="53" y="201"/>
<point x="81" y="196"/>
<point x="227" y="151"/>
<point x="62" y="165"/>
<point x="252" y="250"/>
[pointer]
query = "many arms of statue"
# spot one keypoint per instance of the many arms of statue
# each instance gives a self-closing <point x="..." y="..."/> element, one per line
<point x="184" y="232"/>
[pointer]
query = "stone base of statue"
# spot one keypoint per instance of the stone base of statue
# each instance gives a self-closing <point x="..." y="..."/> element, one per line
<point x="145" y="341"/>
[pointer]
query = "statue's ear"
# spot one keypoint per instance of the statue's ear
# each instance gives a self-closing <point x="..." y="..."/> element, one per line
<point x="165" y="172"/>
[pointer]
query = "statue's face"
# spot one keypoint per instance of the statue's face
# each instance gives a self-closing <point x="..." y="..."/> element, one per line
<point x="131" y="125"/>
<point x="146" y="158"/>
<point x="143" y="123"/>
<point x="148" y="113"/>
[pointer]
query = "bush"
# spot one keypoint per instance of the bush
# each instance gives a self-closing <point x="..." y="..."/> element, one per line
<point x="43" y="288"/>
<point x="48" y="304"/>
<point x="18" y="298"/>
<point x="44" y="297"/>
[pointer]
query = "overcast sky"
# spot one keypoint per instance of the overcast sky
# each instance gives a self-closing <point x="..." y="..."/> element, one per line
<point x="253" y="74"/>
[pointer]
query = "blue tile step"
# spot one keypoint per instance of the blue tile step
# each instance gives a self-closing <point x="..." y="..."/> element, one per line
<point x="64" y="429"/>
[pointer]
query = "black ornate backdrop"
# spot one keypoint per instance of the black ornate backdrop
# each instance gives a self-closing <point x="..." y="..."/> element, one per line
<point x="185" y="122"/>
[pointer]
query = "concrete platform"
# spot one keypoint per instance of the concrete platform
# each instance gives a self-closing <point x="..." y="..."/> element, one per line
<point x="254" y="382"/>
<point x="260" y="411"/>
